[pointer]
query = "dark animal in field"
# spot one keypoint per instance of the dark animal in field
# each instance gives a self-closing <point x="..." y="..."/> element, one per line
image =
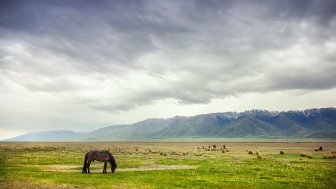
<point x="320" y="148"/>
<point x="102" y="156"/>
<point x="224" y="147"/>
<point x="214" y="146"/>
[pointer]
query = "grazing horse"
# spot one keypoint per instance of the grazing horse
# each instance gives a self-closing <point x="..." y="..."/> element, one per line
<point x="103" y="156"/>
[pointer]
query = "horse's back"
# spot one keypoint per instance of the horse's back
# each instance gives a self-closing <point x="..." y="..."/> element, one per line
<point x="103" y="156"/>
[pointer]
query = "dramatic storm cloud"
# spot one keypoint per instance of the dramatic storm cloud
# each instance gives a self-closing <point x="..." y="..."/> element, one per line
<point x="81" y="65"/>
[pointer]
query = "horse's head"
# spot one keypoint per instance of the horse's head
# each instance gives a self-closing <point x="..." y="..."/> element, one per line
<point x="113" y="164"/>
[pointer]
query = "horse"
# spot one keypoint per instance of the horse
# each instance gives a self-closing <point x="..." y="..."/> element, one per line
<point x="102" y="156"/>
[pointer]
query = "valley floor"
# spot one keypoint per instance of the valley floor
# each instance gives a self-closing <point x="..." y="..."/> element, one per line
<point x="170" y="165"/>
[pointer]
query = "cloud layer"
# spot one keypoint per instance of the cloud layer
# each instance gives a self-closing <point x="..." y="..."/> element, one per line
<point x="115" y="56"/>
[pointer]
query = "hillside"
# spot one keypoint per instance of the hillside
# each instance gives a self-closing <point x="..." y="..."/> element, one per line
<point x="311" y="123"/>
<point x="48" y="136"/>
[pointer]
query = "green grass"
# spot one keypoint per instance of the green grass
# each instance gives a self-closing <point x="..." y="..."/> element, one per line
<point x="32" y="168"/>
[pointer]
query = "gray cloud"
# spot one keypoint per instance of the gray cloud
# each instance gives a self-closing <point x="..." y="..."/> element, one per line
<point x="132" y="53"/>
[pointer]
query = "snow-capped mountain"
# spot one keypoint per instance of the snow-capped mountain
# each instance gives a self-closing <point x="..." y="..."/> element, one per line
<point x="310" y="123"/>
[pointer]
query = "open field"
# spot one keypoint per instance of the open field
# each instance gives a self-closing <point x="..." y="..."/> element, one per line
<point x="170" y="165"/>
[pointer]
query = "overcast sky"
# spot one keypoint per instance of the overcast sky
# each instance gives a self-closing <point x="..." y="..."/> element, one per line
<point x="82" y="65"/>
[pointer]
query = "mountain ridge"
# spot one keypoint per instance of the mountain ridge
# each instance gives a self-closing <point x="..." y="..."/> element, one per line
<point x="309" y="123"/>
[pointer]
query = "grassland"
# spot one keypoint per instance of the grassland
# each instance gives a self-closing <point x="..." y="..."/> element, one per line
<point x="170" y="165"/>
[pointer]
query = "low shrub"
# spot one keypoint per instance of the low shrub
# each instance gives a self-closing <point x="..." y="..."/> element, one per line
<point x="307" y="155"/>
<point x="330" y="156"/>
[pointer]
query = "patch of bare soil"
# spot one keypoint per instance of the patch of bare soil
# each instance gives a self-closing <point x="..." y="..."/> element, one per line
<point x="76" y="168"/>
<point x="158" y="167"/>
<point x="62" y="168"/>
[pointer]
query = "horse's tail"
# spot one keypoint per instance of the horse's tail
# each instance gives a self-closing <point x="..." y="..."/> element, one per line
<point x="85" y="162"/>
<point x="113" y="163"/>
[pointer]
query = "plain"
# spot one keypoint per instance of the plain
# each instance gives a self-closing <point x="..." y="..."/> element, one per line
<point x="170" y="165"/>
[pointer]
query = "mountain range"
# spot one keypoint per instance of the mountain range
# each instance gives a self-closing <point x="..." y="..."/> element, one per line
<point x="311" y="123"/>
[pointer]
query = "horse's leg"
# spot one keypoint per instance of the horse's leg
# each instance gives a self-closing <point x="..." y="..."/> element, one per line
<point x="88" y="166"/>
<point x="105" y="165"/>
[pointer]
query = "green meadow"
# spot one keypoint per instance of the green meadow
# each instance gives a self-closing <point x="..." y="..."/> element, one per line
<point x="170" y="165"/>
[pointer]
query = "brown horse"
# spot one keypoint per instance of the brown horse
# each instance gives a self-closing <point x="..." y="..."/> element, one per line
<point x="103" y="156"/>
